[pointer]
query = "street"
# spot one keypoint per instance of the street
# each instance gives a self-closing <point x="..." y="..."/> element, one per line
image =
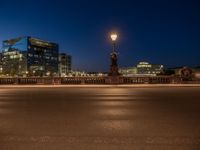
<point x="104" y="118"/>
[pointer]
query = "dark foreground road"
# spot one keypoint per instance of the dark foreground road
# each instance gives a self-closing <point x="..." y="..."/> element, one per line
<point x="166" y="118"/>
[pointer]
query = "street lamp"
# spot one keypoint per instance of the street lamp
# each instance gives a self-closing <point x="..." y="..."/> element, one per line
<point x="114" y="56"/>
<point x="114" y="37"/>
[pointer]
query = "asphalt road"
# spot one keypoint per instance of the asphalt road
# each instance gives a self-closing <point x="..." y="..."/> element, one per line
<point x="108" y="118"/>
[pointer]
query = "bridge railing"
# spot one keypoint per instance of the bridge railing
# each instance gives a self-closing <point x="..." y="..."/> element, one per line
<point x="94" y="80"/>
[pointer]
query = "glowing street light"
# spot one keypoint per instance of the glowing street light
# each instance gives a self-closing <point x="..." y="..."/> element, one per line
<point x="114" y="37"/>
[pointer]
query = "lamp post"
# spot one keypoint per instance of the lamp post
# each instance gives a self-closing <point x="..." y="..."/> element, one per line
<point x="114" y="54"/>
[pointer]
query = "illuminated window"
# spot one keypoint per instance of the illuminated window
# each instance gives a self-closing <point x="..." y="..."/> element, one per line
<point x="30" y="55"/>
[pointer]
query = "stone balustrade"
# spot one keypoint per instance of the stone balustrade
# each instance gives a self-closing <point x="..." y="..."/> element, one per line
<point x="94" y="80"/>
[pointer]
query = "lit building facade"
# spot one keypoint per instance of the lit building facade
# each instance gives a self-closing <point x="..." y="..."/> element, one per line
<point x="142" y="69"/>
<point x="145" y="68"/>
<point x="65" y="63"/>
<point x="128" y="71"/>
<point x="1" y="63"/>
<point x="27" y="56"/>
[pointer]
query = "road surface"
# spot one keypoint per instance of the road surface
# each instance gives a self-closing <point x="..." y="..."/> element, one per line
<point x="107" y="118"/>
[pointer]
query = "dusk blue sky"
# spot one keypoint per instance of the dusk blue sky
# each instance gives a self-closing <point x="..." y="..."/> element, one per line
<point x="159" y="31"/>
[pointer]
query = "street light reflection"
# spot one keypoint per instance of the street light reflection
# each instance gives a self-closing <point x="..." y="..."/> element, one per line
<point x="112" y="112"/>
<point x="114" y="98"/>
<point x="112" y="103"/>
<point x="116" y="92"/>
<point x="113" y="108"/>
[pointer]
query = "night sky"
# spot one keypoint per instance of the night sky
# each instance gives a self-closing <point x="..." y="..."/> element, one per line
<point x="159" y="31"/>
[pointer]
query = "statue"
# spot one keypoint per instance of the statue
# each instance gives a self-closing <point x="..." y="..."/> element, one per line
<point x="114" y="59"/>
<point x="114" y="64"/>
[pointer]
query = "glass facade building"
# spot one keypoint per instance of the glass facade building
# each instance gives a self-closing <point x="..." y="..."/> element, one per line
<point x="64" y="64"/>
<point x="26" y="56"/>
<point x="1" y="69"/>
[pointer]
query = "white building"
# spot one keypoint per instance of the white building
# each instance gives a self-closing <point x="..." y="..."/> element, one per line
<point x="145" y="68"/>
<point x="142" y="69"/>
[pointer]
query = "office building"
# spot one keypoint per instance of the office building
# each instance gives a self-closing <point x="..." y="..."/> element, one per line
<point x="64" y="64"/>
<point x="1" y="69"/>
<point x="27" y="56"/>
